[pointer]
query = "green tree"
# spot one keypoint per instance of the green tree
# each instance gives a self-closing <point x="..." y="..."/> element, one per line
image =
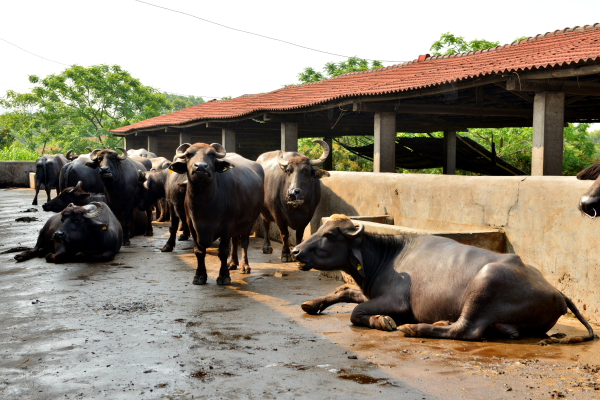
<point x="179" y="102"/>
<point x="451" y="44"/>
<point x="79" y="106"/>
<point x="333" y="69"/>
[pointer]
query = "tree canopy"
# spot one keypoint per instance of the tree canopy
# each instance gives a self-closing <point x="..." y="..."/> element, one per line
<point x="333" y="69"/>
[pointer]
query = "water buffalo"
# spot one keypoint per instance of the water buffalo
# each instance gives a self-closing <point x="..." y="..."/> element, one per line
<point x="435" y="286"/>
<point x="141" y="153"/>
<point x="88" y="233"/>
<point x="152" y="191"/>
<point x="120" y="176"/>
<point x="47" y="173"/>
<point x="589" y="203"/>
<point x="292" y="193"/>
<point x="176" y="188"/>
<point x="223" y="199"/>
<point x="78" y="171"/>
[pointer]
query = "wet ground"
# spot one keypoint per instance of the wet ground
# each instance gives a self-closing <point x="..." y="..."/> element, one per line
<point x="137" y="328"/>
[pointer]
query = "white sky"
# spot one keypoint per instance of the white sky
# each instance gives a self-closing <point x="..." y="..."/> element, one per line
<point x="181" y="54"/>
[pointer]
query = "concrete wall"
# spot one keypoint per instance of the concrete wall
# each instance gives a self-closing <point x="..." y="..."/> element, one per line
<point x="538" y="215"/>
<point x="15" y="173"/>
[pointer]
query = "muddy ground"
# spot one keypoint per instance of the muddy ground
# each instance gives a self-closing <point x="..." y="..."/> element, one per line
<point x="137" y="328"/>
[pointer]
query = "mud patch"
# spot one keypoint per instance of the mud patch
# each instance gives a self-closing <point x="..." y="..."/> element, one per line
<point x="135" y="307"/>
<point x="26" y="219"/>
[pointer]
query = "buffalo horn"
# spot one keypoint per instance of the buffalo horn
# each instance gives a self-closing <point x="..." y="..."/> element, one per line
<point x="181" y="149"/>
<point x="325" y="154"/>
<point x="94" y="155"/>
<point x="69" y="154"/>
<point x="89" y="149"/>
<point x="360" y="227"/>
<point x="124" y="155"/>
<point x="221" y="152"/>
<point x="78" y="186"/>
<point x="281" y="161"/>
<point x="93" y="214"/>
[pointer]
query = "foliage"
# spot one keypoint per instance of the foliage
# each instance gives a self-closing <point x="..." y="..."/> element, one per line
<point x="343" y="160"/>
<point x="450" y="44"/>
<point x="16" y="152"/>
<point x="179" y="102"/>
<point x="78" y="107"/>
<point x="332" y="69"/>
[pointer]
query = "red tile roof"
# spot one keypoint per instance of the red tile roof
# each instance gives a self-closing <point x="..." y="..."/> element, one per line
<point x="559" y="48"/>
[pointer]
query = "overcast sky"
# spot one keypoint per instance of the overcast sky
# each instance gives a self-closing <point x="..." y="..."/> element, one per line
<point x="182" y="54"/>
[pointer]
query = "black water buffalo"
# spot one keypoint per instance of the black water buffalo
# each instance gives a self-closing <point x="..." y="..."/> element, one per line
<point x="292" y="193"/>
<point x="88" y="233"/>
<point x="47" y="173"/>
<point x="120" y="177"/>
<point x="141" y="153"/>
<point x="79" y="197"/>
<point x="176" y="188"/>
<point x="223" y="200"/>
<point x="435" y="286"/>
<point x="589" y="203"/>
<point x="151" y="192"/>
<point x="78" y="171"/>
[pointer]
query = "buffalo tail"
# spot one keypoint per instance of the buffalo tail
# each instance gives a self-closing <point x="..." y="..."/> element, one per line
<point x="572" y="339"/>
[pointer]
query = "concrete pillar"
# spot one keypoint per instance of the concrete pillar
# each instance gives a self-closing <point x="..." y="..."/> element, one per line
<point x="384" y="157"/>
<point x="289" y="136"/>
<point x="125" y="144"/>
<point x="548" y="133"/>
<point x="152" y="144"/>
<point x="328" y="164"/>
<point x="449" y="167"/>
<point x="185" y="137"/>
<point x="228" y="140"/>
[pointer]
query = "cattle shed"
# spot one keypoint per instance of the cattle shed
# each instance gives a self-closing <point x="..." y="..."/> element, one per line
<point x="542" y="82"/>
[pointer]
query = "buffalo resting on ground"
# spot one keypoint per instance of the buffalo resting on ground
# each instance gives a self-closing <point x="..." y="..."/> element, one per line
<point x="88" y="233"/>
<point x="223" y="199"/>
<point x="292" y="193"/>
<point x="434" y="286"/>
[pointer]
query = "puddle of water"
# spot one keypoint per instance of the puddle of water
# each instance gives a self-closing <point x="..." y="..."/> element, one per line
<point x="362" y="379"/>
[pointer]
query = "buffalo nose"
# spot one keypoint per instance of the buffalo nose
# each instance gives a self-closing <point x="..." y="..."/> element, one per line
<point x="104" y="170"/>
<point x="60" y="234"/>
<point x="295" y="252"/>
<point x="294" y="192"/>
<point x="590" y="205"/>
<point x="201" y="166"/>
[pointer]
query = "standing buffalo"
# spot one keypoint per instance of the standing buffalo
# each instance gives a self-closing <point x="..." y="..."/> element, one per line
<point x="120" y="177"/>
<point x="88" y="233"/>
<point x="141" y="153"/>
<point x="589" y="203"/>
<point x="292" y="193"/>
<point x="176" y="188"/>
<point x="436" y="286"/>
<point x="47" y="173"/>
<point x="223" y="199"/>
<point x="78" y="171"/>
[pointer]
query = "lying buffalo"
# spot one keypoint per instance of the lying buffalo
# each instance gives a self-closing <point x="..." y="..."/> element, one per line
<point x="47" y="173"/>
<point x="223" y="199"/>
<point x="589" y="203"/>
<point x="88" y="233"/>
<point x="292" y="193"/>
<point x="435" y="286"/>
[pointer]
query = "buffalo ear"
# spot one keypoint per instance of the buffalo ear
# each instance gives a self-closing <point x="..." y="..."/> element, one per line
<point x="320" y="173"/>
<point x="179" y="166"/>
<point x="91" y="164"/>
<point x="590" y="173"/>
<point x="222" y="166"/>
<point x="357" y="261"/>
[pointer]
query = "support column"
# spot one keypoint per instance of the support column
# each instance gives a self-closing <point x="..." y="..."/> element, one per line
<point x="384" y="157"/>
<point x="125" y="144"/>
<point x="328" y="164"/>
<point x="185" y="137"/>
<point x="228" y="140"/>
<point x="289" y="136"/>
<point x="449" y="167"/>
<point x="548" y="133"/>
<point x="153" y="144"/>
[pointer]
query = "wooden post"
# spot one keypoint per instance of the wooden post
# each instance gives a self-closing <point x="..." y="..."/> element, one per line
<point x="289" y="136"/>
<point x="125" y="144"/>
<point x="548" y="133"/>
<point x="153" y="144"/>
<point x="228" y="140"/>
<point x="449" y="167"/>
<point x="384" y="157"/>
<point x="185" y="137"/>
<point x="328" y="164"/>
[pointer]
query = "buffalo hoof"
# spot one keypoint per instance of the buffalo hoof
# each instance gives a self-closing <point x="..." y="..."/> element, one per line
<point x="183" y="237"/>
<point x="312" y="307"/>
<point x="286" y="258"/>
<point x="149" y="233"/>
<point x="199" y="280"/>
<point x="167" y="249"/>
<point x="267" y="249"/>
<point x="22" y="257"/>
<point x="34" y="203"/>
<point x="442" y="323"/>
<point x="50" y="257"/>
<point x="408" y="330"/>
<point x="245" y="270"/>
<point x="223" y="280"/>
<point x="383" y="323"/>
<point x="233" y="267"/>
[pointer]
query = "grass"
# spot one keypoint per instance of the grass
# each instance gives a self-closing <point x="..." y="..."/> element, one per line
<point x="14" y="153"/>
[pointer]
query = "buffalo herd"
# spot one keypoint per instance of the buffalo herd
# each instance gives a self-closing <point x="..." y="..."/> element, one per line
<point x="424" y="286"/>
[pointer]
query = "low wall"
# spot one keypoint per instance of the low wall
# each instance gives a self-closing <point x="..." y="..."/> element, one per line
<point x="538" y="216"/>
<point x="15" y="173"/>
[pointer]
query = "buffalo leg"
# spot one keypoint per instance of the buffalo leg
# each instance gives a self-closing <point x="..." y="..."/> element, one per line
<point x="286" y="254"/>
<point x="224" y="249"/>
<point x="245" y="239"/>
<point x="37" y="191"/>
<point x="149" y="231"/>
<point x="201" y="276"/>
<point x="170" y="245"/>
<point x="343" y="294"/>
<point x="180" y="212"/>
<point x="234" y="262"/>
<point x="59" y="256"/>
<point x="267" y="249"/>
<point x="48" y="190"/>
<point x="377" y="313"/>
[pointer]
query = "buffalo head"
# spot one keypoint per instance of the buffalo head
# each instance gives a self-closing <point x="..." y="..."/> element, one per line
<point x="107" y="161"/>
<point x="79" y="224"/>
<point x="589" y="203"/>
<point x="301" y="171"/>
<point x="201" y="161"/>
<point x="336" y="245"/>
<point x="74" y="194"/>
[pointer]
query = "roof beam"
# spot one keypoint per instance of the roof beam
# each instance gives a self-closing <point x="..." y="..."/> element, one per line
<point x="562" y="73"/>
<point x="405" y="108"/>
<point x="553" y="85"/>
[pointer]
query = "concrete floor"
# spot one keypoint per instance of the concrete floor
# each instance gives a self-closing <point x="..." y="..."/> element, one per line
<point x="137" y="328"/>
